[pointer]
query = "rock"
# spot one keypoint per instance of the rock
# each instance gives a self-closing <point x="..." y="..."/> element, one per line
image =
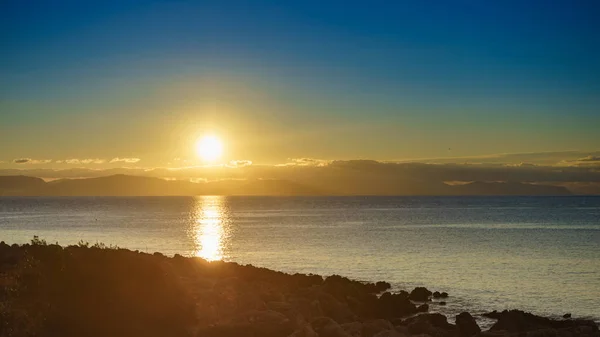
<point x="307" y="308"/>
<point x="395" y="305"/>
<point x="442" y="303"/>
<point x="567" y="315"/>
<point x="326" y="327"/>
<point x="466" y="325"/>
<point x="492" y="314"/>
<point x="542" y="333"/>
<point x="431" y="324"/>
<point x="420" y="294"/>
<point x="354" y="329"/>
<point x="444" y="295"/>
<point x="423" y="308"/>
<point x="493" y="334"/>
<point x="437" y="294"/>
<point x="333" y="331"/>
<point x="305" y="331"/>
<point x="268" y="323"/>
<point x="516" y="321"/>
<point x="420" y="326"/>
<point x="266" y="316"/>
<point x="382" y="286"/>
<point x="373" y="327"/>
<point x="389" y="333"/>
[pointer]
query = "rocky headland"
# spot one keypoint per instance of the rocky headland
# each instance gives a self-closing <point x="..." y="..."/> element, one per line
<point x="83" y="290"/>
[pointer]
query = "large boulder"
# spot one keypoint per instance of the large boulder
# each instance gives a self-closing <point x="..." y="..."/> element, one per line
<point x="466" y="325"/>
<point x="432" y="324"/>
<point x="395" y="305"/>
<point x="420" y="294"/>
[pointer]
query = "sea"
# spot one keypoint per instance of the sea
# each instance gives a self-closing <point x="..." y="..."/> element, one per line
<point x="538" y="254"/>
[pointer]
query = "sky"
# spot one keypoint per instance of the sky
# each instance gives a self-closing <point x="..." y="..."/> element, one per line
<point x="107" y="84"/>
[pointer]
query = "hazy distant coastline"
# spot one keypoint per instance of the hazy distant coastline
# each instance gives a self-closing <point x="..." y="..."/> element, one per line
<point x="125" y="185"/>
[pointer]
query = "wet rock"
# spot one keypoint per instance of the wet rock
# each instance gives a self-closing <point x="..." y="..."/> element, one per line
<point x="420" y="294"/>
<point x="436" y="294"/>
<point x="423" y="308"/>
<point x="444" y="295"/>
<point x="395" y="305"/>
<point x="516" y="321"/>
<point x="442" y="303"/>
<point x="382" y="286"/>
<point x="567" y="315"/>
<point x="466" y="325"/>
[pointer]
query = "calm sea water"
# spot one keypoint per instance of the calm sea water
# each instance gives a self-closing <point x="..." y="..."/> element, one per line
<point x="540" y="254"/>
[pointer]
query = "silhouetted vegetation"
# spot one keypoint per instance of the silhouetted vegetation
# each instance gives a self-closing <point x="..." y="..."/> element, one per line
<point x="95" y="290"/>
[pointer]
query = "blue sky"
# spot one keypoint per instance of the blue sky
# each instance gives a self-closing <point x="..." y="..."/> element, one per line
<point x="334" y="80"/>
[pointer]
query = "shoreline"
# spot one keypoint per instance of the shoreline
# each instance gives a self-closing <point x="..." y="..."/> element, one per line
<point x="99" y="290"/>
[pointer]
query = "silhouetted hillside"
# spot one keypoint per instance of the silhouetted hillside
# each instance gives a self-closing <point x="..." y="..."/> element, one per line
<point x="121" y="185"/>
<point x="20" y="185"/>
<point x="510" y="188"/>
<point x="382" y="183"/>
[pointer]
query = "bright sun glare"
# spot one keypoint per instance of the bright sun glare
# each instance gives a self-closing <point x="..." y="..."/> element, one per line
<point x="209" y="148"/>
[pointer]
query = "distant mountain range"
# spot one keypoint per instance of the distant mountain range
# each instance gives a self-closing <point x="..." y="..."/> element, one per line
<point x="126" y="185"/>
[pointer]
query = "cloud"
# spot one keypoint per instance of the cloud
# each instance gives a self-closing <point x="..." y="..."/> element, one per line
<point x="305" y="162"/>
<point x="534" y="158"/>
<point x="590" y="158"/>
<point x="31" y="161"/>
<point x="587" y="161"/>
<point x="83" y="161"/>
<point x="125" y="160"/>
<point x="239" y="163"/>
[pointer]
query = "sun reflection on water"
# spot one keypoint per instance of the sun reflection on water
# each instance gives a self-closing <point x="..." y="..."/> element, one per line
<point x="209" y="231"/>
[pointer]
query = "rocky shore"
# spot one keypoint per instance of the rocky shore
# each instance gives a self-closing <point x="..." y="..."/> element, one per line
<point x="83" y="290"/>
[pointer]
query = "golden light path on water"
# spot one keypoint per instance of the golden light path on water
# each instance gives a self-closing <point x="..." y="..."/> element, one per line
<point x="210" y="229"/>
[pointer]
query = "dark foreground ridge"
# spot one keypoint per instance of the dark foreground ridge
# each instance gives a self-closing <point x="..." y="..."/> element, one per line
<point x="48" y="290"/>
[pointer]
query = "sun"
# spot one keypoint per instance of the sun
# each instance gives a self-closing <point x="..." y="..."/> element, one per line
<point x="209" y="148"/>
